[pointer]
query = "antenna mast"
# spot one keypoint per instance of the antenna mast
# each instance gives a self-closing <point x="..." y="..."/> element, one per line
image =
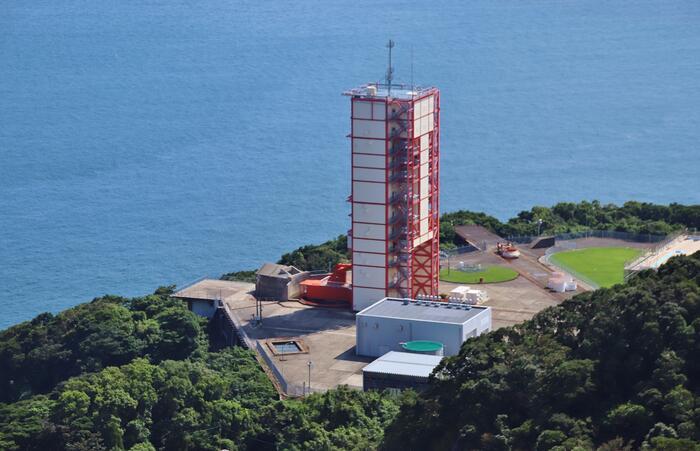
<point x="412" y="88"/>
<point x="390" y="70"/>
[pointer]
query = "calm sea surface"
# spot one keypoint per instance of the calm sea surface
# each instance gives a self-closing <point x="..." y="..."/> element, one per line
<point x="152" y="142"/>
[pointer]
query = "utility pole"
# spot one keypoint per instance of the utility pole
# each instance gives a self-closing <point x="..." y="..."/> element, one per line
<point x="310" y="364"/>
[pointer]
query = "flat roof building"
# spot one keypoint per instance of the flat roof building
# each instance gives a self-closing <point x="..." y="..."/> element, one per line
<point x="387" y="324"/>
<point x="399" y="370"/>
<point x="203" y="296"/>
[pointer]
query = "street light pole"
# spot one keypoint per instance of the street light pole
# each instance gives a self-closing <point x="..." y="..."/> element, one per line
<point x="310" y="364"/>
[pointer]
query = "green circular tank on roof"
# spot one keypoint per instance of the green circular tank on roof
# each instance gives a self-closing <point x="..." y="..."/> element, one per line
<point x="422" y="346"/>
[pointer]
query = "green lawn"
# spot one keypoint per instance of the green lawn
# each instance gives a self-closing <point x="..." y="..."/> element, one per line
<point x="602" y="265"/>
<point x="490" y="274"/>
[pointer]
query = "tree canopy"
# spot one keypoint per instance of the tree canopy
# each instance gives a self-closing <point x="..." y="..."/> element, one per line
<point x="109" y="331"/>
<point x="137" y="374"/>
<point x="612" y="368"/>
<point x="566" y="217"/>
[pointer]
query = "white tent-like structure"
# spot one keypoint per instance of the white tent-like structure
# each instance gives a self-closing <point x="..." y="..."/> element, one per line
<point x="469" y="295"/>
<point x="561" y="282"/>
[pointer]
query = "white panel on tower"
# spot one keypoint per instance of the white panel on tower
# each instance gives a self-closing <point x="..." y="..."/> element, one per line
<point x="363" y="258"/>
<point x="368" y="276"/>
<point x="361" y="110"/>
<point x="421" y="108"/>
<point x="425" y="124"/>
<point x="369" y="213"/>
<point x="369" y="175"/>
<point x="417" y="109"/>
<point x="364" y="297"/>
<point x="368" y="161"/>
<point x="360" y="245"/>
<point x="424" y="142"/>
<point x="368" y="129"/>
<point x="424" y="157"/>
<point x="375" y="146"/>
<point x="373" y="231"/>
<point x="424" y="169"/>
<point x="379" y="110"/>
<point x="424" y="208"/>
<point x="423" y="227"/>
<point x="424" y="188"/>
<point x="368" y="192"/>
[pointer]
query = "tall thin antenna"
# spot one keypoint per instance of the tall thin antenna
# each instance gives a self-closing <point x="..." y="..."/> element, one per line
<point x="390" y="70"/>
<point x="412" y="89"/>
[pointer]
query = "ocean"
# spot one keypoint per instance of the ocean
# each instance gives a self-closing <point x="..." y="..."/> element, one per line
<point x="153" y="142"/>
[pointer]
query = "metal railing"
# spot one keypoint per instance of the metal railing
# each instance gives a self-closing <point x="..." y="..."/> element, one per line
<point x="614" y="234"/>
<point x="631" y="264"/>
<point x="553" y="250"/>
<point x="290" y="389"/>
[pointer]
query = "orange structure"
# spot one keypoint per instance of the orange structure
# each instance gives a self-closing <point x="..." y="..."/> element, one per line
<point x="329" y="289"/>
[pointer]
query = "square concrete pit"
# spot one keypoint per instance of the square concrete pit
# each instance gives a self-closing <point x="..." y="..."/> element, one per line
<point x="329" y="335"/>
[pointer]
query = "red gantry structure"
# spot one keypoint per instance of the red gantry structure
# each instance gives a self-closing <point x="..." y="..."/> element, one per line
<point x="394" y="240"/>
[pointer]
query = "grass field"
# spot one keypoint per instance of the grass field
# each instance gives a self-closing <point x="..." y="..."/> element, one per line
<point x="490" y="274"/>
<point x="602" y="265"/>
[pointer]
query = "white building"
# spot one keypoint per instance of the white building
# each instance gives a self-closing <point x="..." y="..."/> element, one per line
<point x="399" y="370"/>
<point x="383" y="326"/>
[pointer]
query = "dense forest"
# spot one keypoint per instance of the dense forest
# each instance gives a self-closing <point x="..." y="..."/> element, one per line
<point x="612" y="369"/>
<point x="565" y="217"/>
<point x="139" y="374"/>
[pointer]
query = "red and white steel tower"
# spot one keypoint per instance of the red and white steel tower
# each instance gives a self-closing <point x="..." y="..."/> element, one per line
<point x="394" y="240"/>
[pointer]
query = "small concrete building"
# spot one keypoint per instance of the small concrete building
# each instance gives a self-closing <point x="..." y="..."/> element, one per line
<point x="398" y="371"/>
<point x="203" y="296"/>
<point x="279" y="282"/>
<point x="385" y="325"/>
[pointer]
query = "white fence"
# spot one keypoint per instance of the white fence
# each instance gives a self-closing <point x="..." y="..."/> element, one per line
<point x="567" y="246"/>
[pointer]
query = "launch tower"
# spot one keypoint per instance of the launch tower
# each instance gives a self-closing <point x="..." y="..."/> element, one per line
<point x="394" y="240"/>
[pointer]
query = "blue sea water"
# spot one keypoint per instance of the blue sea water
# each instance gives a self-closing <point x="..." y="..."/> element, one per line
<point x="151" y="142"/>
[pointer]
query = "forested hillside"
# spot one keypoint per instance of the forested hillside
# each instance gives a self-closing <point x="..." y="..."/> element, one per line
<point x="613" y="369"/>
<point x="565" y="217"/>
<point x="137" y="374"/>
<point x="617" y="368"/>
<point x="634" y="217"/>
<point x="109" y="331"/>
